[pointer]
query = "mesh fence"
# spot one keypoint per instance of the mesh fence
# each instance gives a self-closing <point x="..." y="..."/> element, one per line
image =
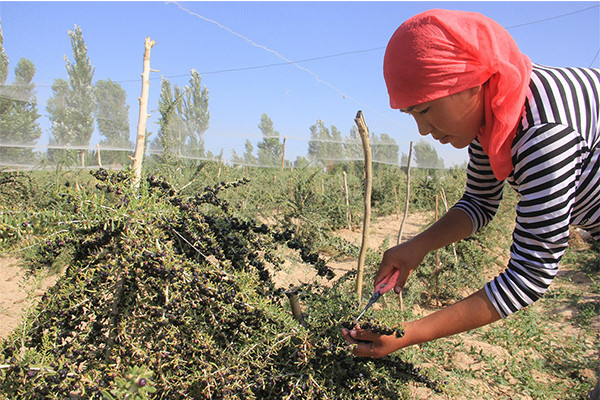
<point x="74" y="101"/>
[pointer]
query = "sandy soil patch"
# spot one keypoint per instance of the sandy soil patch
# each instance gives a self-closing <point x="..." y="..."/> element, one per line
<point x="17" y="293"/>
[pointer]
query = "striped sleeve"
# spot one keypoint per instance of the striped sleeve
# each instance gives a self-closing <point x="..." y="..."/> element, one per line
<point x="483" y="191"/>
<point x="547" y="165"/>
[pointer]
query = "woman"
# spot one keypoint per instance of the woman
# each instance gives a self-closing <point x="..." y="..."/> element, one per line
<point x="465" y="82"/>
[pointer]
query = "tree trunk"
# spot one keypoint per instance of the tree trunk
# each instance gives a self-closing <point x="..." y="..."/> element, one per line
<point x="283" y="153"/>
<point x="143" y="116"/>
<point x="407" y="202"/>
<point x="99" y="158"/>
<point x="346" y="194"/>
<point x="364" y="136"/>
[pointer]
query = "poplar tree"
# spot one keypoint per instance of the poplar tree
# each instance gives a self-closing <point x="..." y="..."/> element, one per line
<point x="270" y="149"/>
<point x="248" y="158"/>
<point x="3" y="59"/>
<point x="18" y="110"/>
<point x="353" y="145"/>
<point x="112" y="117"/>
<point x="235" y="158"/>
<point x="184" y="117"/>
<point x="325" y="146"/>
<point x="195" y="114"/>
<point x="385" y="149"/>
<point x="72" y="104"/>
<point x="169" y="138"/>
<point x="245" y="159"/>
<point x="426" y="156"/>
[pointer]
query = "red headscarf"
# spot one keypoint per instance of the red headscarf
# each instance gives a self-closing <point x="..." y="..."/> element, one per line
<point x="441" y="52"/>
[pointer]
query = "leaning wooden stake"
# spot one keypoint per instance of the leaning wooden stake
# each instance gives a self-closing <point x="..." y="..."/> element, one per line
<point x="364" y="136"/>
<point x="438" y="266"/>
<point x="296" y="308"/>
<point x="143" y="116"/>
<point x="347" y="196"/>
<point x="407" y="194"/>
<point x="443" y="194"/>
<point x="98" y="155"/>
<point x="283" y="153"/>
<point x="400" y="299"/>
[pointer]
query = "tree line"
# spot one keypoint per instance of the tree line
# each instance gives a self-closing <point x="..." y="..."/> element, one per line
<point x="78" y="106"/>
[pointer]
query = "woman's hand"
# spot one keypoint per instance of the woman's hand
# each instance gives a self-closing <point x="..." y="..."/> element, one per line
<point x="472" y="312"/>
<point x="370" y="344"/>
<point x="406" y="257"/>
<point x="403" y="257"/>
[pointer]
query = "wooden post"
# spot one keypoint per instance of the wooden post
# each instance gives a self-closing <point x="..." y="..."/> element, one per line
<point x="296" y="308"/>
<point x="283" y="154"/>
<point x="98" y="155"/>
<point x="438" y="265"/>
<point x="406" y="203"/>
<point x="143" y="116"/>
<point x="437" y="268"/>
<point x="397" y="202"/>
<point x="348" y="213"/>
<point x="368" y="168"/>
<point x="443" y="192"/>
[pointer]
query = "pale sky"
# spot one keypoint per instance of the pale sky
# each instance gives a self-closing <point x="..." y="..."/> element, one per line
<point x="298" y="62"/>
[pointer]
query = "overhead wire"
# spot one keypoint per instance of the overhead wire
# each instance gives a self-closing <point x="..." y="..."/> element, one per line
<point x="551" y="18"/>
<point x="280" y="56"/>
<point x="354" y="51"/>
<point x="291" y="62"/>
<point x="296" y="63"/>
<point x="313" y="74"/>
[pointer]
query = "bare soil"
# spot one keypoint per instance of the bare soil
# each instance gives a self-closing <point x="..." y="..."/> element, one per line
<point x="18" y="292"/>
<point x="382" y="230"/>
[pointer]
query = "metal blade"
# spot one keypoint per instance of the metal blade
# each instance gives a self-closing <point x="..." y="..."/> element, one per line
<point x="372" y="300"/>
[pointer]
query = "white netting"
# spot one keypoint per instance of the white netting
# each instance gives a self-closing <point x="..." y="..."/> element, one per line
<point x="257" y="91"/>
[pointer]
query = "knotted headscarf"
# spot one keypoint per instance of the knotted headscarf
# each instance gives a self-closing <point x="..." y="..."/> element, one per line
<point x="440" y="52"/>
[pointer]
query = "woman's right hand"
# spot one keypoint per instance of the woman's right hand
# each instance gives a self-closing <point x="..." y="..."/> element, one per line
<point x="403" y="257"/>
<point x="406" y="257"/>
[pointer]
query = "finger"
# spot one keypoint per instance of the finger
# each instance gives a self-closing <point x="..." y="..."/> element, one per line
<point x="384" y="270"/>
<point x="363" y="349"/>
<point x="401" y="280"/>
<point x="363" y="335"/>
<point x="346" y="335"/>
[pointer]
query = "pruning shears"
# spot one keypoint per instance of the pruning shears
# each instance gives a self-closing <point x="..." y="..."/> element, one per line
<point x="383" y="287"/>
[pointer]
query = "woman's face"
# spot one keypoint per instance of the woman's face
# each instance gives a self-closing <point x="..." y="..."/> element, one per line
<point x="454" y="119"/>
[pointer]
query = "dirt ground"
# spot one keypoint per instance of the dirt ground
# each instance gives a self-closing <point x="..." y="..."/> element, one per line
<point x="382" y="229"/>
<point x="17" y="293"/>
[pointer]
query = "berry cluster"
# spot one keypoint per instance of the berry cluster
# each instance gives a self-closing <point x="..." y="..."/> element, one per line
<point x="375" y="327"/>
<point x="111" y="182"/>
<point x="172" y="295"/>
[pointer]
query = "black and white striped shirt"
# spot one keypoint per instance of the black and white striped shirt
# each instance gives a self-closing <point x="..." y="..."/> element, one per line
<point x="556" y="173"/>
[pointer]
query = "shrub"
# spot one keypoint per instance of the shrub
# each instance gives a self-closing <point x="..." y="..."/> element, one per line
<point x="167" y="296"/>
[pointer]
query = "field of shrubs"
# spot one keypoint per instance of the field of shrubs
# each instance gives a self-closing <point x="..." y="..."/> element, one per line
<point x="166" y="290"/>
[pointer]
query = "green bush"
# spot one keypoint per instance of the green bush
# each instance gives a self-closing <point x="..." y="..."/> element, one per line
<point x="170" y="296"/>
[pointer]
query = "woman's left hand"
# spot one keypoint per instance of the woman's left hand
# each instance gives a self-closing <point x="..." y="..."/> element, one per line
<point x="370" y="344"/>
